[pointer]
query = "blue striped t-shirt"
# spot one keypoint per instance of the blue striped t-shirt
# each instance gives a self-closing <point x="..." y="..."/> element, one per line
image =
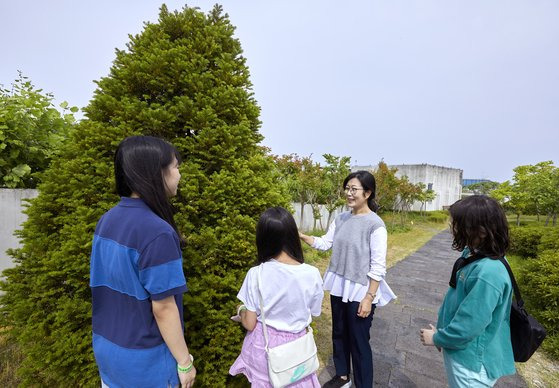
<point x="135" y="259"/>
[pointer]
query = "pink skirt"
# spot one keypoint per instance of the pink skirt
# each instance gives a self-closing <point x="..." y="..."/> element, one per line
<point x="253" y="361"/>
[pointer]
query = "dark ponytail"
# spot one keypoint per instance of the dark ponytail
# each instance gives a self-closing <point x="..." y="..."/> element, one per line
<point x="140" y="162"/>
<point x="368" y="182"/>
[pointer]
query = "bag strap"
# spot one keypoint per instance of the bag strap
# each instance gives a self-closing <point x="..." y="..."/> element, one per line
<point x="464" y="261"/>
<point x="517" y="295"/>
<point x="460" y="263"/>
<point x="258" y="281"/>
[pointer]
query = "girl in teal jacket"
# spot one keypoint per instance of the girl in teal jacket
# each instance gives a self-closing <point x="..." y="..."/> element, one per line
<point x="473" y="327"/>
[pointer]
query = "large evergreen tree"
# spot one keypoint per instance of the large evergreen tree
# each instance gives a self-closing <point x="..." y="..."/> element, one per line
<point x="184" y="79"/>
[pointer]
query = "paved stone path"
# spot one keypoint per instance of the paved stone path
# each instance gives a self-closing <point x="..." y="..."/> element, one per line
<point x="399" y="359"/>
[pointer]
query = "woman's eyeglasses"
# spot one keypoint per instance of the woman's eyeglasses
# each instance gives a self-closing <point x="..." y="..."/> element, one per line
<point x="352" y="190"/>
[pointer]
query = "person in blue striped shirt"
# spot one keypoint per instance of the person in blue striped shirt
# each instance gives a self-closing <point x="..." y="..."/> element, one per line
<point x="136" y="274"/>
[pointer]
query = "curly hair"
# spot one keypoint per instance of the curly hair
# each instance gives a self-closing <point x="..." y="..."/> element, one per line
<point x="479" y="223"/>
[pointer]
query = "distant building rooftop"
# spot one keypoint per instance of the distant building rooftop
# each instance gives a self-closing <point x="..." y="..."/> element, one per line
<point x="369" y="167"/>
<point x="468" y="182"/>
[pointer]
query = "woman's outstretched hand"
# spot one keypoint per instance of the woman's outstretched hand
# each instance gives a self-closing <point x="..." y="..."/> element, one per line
<point x="426" y="336"/>
<point x="307" y="239"/>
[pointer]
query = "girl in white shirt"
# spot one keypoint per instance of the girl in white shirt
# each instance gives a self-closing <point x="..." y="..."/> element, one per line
<point x="292" y="293"/>
<point x="355" y="279"/>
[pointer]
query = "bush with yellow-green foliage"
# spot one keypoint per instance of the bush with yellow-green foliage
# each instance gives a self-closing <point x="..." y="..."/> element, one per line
<point x="540" y="282"/>
<point x="524" y="240"/>
<point x="183" y="79"/>
<point x="538" y="277"/>
<point x="31" y="130"/>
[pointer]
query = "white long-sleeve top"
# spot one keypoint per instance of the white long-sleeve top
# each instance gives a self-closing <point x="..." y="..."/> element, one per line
<point x="355" y="292"/>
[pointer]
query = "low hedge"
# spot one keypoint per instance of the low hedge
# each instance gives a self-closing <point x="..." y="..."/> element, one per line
<point x="524" y="241"/>
<point x="549" y="240"/>
<point x="539" y="277"/>
<point x="440" y="216"/>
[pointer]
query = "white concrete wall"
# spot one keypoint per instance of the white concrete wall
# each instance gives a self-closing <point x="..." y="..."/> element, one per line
<point x="12" y="205"/>
<point x="447" y="182"/>
<point x="11" y="218"/>
<point x="308" y="219"/>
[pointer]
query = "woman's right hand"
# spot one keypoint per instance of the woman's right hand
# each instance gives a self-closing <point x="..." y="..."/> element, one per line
<point x="187" y="379"/>
<point x="307" y="239"/>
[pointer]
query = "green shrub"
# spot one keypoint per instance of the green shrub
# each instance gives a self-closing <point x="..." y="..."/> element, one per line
<point x="539" y="279"/>
<point x="549" y="240"/>
<point x="440" y="216"/>
<point x="31" y="129"/>
<point x="524" y="241"/>
<point x="183" y="79"/>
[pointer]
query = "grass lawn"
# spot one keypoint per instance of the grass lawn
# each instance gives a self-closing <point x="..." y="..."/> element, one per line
<point x="402" y="240"/>
<point x="528" y="220"/>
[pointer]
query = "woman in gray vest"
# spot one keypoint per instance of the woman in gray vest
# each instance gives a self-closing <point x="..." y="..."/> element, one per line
<point x="355" y="279"/>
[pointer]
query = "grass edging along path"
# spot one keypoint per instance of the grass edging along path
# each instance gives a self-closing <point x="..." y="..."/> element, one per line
<point x="401" y="243"/>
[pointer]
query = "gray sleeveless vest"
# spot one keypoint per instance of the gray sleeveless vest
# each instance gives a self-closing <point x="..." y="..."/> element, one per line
<point x="351" y="250"/>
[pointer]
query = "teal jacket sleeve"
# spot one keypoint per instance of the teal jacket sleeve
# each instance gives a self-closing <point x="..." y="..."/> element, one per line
<point x="473" y="315"/>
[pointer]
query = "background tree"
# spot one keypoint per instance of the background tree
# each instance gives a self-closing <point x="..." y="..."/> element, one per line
<point x="424" y="196"/>
<point x="335" y="171"/>
<point x="541" y="180"/>
<point x="408" y="193"/>
<point x="387" y="186"/>
<point x="511" y="198"/>
<point x="31" y="129"/>
<point x="302" y="177"/>
<point x="184" y="79"/>
<point x="288" y="167"/>
<point x="309" y="181"/>
<point x="554" y="197"/>
<point x="534" y="190"/>
<point x="484" y="188"/>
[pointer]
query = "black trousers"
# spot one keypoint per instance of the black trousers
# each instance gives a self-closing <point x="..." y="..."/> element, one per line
<point x="350" y="337"/>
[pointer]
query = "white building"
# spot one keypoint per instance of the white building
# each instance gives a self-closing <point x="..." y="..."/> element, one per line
<point x="446" y="182"/>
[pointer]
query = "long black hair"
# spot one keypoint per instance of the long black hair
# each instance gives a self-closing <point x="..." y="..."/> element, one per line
<point x="479" y="223"/>
<point x="140" y="162"/>
<point x="368" y="182"/>
<point x="276" y="231"/>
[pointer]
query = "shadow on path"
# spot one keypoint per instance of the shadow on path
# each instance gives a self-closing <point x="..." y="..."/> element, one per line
<point x="420" y="281"/>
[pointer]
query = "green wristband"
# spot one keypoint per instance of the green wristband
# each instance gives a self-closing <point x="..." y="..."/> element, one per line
<point x="187" y="368"/>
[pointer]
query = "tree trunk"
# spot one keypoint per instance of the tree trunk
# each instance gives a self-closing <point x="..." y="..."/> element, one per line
<point x="518" y="219"/>
<point x="329" y="217"/>
<point x="548" y="218"/>
<point x="302" y="210"/>
<point x="554" y="219"/>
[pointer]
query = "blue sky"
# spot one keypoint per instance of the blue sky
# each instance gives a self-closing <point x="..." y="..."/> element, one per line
<point x="466" y="84"/>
